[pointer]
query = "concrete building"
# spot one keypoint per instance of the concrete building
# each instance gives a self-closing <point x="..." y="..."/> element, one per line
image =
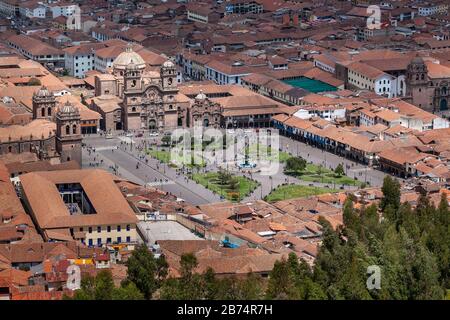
<point x="33" y="10"/>
<point x="80" y="59"/>
<point x="364" y="76"/>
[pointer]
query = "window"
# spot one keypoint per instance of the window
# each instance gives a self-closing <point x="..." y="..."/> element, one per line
<point x="108" y="228"/>
<point x="99" y="241"/>
<point x="91" y="243"/>
<point x="49" y="111"/>
<point x="108" y="240"/>
<point x="128" y="227"/>
<point x="74" y="129"/>
<point x="81" y="229"/>
<point x="99" y="229"/>
<point x="119" y="239"/>
<point x="119" y="228"/>
<point x="43" y="112"/>
<point x="128" y="239"/>
<point x="90" y="229"/>
<point x="67" y="129"/>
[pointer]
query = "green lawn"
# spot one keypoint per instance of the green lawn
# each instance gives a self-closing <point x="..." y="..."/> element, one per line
<point x="325" y="176"/>
<point x="266" y="153"/>
<point x="161" y="155"/>
<point x="210" y="181"/>
<point x="166" y="156"/>
<point x="295" y="191"/>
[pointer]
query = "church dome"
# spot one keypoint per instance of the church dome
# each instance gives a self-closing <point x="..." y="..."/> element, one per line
<point x="68" y="108"/>
<point x="168" y="64"/>
<point x="417" y="60"/>
<point x="129" y="57"/>
<point x="43" y="92"/>
<point x="200" y="96"/>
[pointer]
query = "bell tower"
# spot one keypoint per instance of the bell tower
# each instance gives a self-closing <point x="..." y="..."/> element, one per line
<point x="133" y="77"/>
<point x="169" y="76"/>
<point x="68" y="133"/>
<point x="417" y="72"/>
<point x="417" y="84"/>
<point x="44" y="104"/>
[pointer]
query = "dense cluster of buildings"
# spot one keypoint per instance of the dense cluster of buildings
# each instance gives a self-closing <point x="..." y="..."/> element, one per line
<point x="314" y="70"/>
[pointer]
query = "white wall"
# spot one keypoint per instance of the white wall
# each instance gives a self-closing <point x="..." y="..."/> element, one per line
<point x="77" y="65"/>
<point x="385" y="85"/>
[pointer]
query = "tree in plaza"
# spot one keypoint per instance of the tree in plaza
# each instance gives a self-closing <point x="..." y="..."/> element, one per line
<point x="223" y="177"/>
<point x="294" y="164"/>
<point x="166" y="140"/>
<point x="319" y="170"/>
<point x="145" y="271"/>
<point x="234" y="184"/>
<point x="339" y="170"/>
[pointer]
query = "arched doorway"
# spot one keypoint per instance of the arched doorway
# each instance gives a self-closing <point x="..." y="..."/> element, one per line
<point x="152" y="124"/>
<point x="443" y="105"/>
<point x="206" y="122"/>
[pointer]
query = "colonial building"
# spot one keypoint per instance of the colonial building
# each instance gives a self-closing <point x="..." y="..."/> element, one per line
<point x="206" y="112"/>
<point x="54" y="133"/>
<point x="66" y="205"/>
<point x="149" y="98"/>
<point x="427" y="85"/>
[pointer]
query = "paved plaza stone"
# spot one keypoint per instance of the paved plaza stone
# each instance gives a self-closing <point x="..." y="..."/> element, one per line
<point x="121" y="153"/>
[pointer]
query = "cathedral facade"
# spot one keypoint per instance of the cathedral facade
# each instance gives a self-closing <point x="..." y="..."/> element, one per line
<point x="149" y="99"/>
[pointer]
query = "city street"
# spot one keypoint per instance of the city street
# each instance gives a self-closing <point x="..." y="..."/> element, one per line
<point x="152" y="173"/>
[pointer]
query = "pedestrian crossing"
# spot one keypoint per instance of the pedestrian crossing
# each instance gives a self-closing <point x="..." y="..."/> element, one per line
<point x="126" y="139"/>
<point x="360" y="169"/>
<point x="105" y="148"/>
<point x="158" y="183"/>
